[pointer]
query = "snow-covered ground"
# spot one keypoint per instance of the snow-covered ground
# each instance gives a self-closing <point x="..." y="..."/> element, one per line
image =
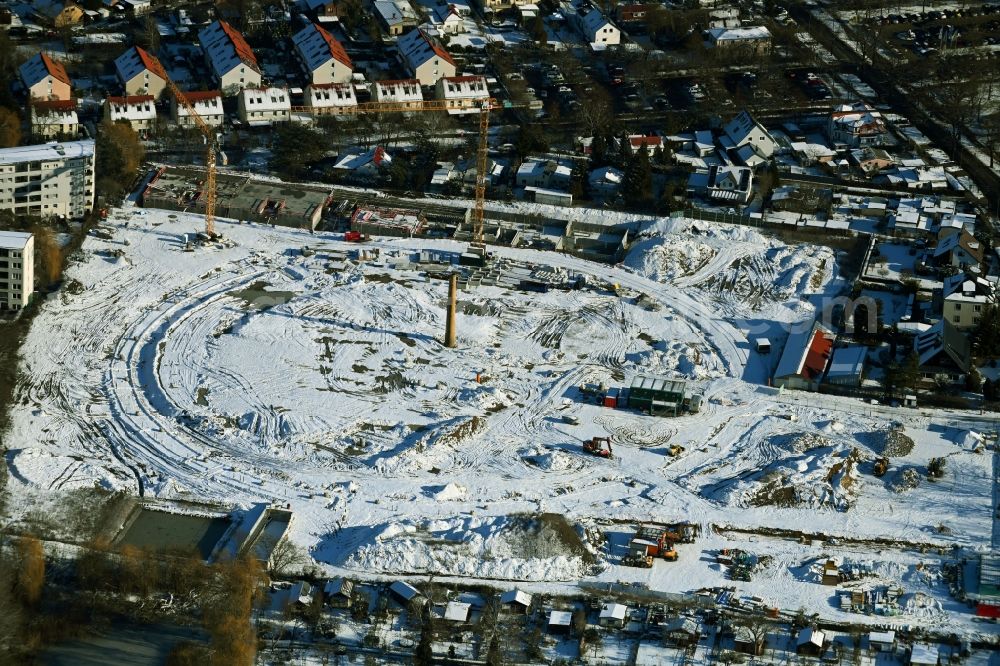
<point x="246" y="372"/>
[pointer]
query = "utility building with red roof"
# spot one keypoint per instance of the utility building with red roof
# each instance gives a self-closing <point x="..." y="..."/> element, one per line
<point x="805" y="358"/>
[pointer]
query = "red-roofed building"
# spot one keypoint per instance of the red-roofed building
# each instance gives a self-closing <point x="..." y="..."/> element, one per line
<point x="637" y="141"/>
<point x="462" y="93"/>
<point x="322" y="56"/>
<point x="805" y="358"/>
<point x="230" y="58"/>
<point x="424" y="57"/>
<point x="141" y="72"/>
<point x="206" y="103"/>
<point x="45" y="78"/>
<point x="53" y="119"/>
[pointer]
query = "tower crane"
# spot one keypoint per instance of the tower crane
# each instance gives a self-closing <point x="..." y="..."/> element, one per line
<point x="210" y="147"/>
<point x="484" y="105"/>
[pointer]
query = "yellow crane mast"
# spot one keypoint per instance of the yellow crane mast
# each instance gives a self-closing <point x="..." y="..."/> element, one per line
<point x="210" y="148"/>
<point x="483" y="105"/>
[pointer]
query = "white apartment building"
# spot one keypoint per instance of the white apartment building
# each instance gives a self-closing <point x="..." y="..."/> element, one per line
<point x="17" y="269"/>
<point x="230" y="58"/>
<point x="323" y="57"/>
<point x="403" y="91"/>
<point x="330" y="98"/>
<point x="206" y="103"/>
<point x="264" y="106"/>
<point x="56" y="118"/>
<point x="48" y="179"/>
<point x="139" y="111"/>
<point x="461" y="93"/>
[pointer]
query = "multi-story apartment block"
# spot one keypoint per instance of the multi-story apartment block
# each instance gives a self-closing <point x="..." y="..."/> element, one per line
<point x="48" y="179"/>
<point x="17" y="269"/>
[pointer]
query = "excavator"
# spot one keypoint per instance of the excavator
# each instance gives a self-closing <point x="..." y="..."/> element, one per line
<point x="599" y="446"/>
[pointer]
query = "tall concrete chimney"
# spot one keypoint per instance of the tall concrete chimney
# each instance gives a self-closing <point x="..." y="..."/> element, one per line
<point x="449" y="329"/>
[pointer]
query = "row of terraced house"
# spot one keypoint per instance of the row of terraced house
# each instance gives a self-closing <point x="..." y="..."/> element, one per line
<point x="333" y="87"/>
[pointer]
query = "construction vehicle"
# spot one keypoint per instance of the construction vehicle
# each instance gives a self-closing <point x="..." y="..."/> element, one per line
<point x="656" y="541"/>
<point x="355" y="237"/>
<point x="881" y="466"/>
<point x="598" y="446"/>
<point x="637" y="560"/>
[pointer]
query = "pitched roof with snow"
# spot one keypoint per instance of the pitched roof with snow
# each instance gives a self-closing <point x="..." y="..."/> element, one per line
<point x="265" y="99"/>
<point x="963" y="240"/>
<point x="225" y="47"/>
<point x="133" y="108"/>
<point x="397" y="90"/>
<point x="41" y="66"/>
<point x="810" y="636"/>
<point x="464" y="87"/>
<point x="944" y="338"/>
<point x="613" y="611"/>
<point x="330" y="94"/>
<point x="416" y="47"/>
<point x="353" y="160"/>
<point x="969" y="289"/>
<point x="457" y="611"/>
<point x="516" y="597"/>
<point x="316" y="46"/>
<point x="755" y="33"/>
<point x="136" y="61"/>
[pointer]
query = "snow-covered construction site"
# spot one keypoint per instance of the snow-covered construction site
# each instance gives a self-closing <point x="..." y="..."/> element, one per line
<point x="293" y="369"/>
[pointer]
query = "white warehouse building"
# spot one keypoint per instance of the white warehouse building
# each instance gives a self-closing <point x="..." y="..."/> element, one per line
<point x="48" y="179"/>
<point x="17" y="269"/>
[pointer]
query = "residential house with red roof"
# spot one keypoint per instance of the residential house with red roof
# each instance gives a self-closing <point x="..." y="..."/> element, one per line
<point x="141" y="73"/>
<point x="45" y="78"/>
<point x="805" y="358"/>
<point x="424" y="57"/>
<point x="322" y="56"/>
<point x="402" y="91"/>
<point x="330" y="98"/>
<point x="53" y="119"/>
<point x="230" y="58"/>
<point x="206" y="103"/>
<point x="139" y="111"/>
<point x="462" y="92"/>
